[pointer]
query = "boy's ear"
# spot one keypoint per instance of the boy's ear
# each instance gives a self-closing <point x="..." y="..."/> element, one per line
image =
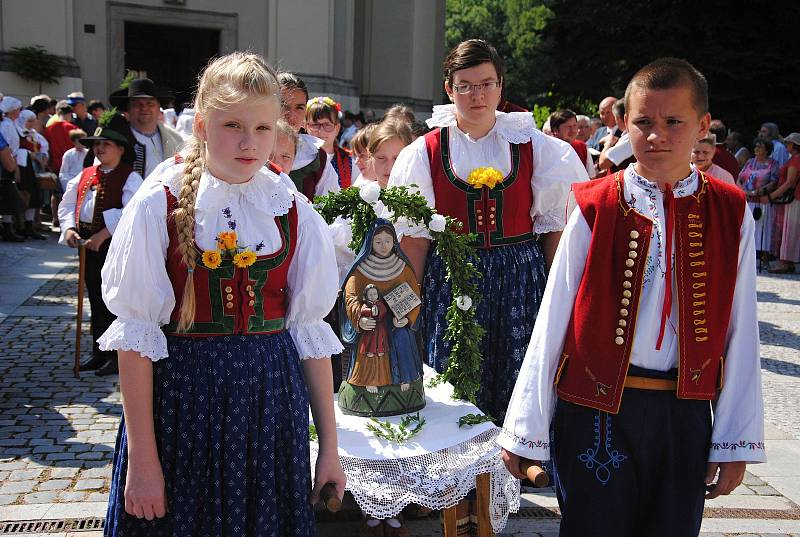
<point x="448" y="90"/>
<point x="705" y="124"/>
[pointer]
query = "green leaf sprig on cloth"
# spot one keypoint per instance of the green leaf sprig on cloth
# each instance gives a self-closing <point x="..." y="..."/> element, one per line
<point x="473" y="419"/>
<point x="454" y="248"/>
<point x="399" y="434"/>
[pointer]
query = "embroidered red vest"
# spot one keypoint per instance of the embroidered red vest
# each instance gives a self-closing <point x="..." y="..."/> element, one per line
<point x="344" y="166"/>
<point x="108" y="191"/>
<point x="499" y="216"/>
<point x="231" y="300"/>
<point x="599" y="339"/>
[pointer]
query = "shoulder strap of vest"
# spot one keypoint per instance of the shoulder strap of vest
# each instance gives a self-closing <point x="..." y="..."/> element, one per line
<point x="433" y="142"/>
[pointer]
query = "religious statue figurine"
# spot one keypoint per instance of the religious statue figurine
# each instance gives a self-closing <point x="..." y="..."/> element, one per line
<point x="379" y="318"/>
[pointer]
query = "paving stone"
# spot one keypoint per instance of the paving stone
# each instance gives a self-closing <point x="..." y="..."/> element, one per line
<point x="61" y="473"/>
<point x="71" y="496"/>
<point x="97" y="473"/>
<point x="55" y="484"/>
<point x="13" y="487"/>
<point x="7" y="499"/>
<point x="97" y="497"/>
<point x="89" y="484"/>
<point x="24" y="475"/>
<point x="12" y="465"/>
<point x="765" y="490"/>
<point x="60" y="456"/>
<point x="41" y="497"/>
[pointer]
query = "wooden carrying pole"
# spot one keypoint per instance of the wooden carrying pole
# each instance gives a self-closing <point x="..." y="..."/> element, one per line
<point x="535" y="474"/>
<point x="79" y="319"/>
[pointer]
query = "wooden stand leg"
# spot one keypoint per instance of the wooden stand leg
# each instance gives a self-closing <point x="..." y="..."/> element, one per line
<point x="482" y="505"/>
<point x="450" y="522"/>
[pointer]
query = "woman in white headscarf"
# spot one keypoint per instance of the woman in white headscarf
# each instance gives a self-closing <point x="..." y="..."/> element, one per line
<point x="22" y="146"/>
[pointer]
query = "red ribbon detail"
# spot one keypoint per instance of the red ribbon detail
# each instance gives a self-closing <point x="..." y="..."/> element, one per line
<point x="669" y="224"/>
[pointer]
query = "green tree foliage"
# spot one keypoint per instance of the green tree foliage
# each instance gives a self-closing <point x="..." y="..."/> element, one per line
<point x="34" y="63"/>
<point x="572" y="53"/>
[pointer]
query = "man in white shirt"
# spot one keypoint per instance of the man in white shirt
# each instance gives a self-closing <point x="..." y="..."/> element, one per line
<point x="617" y="152"/>
<point x="609" y="124"/>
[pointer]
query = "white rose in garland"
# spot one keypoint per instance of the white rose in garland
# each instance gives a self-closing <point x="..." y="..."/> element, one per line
<point x="438" y="223"/>
<point x="464" y="302"/>
<point x="370" y="192"/>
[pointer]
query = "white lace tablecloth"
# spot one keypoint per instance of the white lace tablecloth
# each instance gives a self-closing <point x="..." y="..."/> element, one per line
<point x="437" y="468"/>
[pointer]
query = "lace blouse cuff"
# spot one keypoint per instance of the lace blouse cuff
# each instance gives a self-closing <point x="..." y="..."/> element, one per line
<point x="144" y="337"/>
<point x="315" y="340"/>
<point x="548" y="224"/>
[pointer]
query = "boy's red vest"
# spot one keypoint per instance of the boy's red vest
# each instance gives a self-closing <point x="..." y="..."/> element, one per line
<point x="108" y="191"/>
<point x="231" y="300"/>
<point x="307" y="177"/>
<point x="581" y="149"/>
<point x="499" y="216"/>
<point x="597" y="348"/>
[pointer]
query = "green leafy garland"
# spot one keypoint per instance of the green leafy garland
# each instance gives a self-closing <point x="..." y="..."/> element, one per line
<point x="455" y="249"/>
<point x="399" y="434"/>
<point x="473" y="419"/>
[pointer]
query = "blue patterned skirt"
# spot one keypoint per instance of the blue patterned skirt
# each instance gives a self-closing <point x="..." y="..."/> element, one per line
<point x="231" y="419"/>
<point x="511" y="290"/>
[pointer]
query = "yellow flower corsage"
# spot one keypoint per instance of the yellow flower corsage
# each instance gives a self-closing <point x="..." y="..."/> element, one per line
<point x="227" y="240"/>
<point x="212" y="259"/>
<point x="488" y="177"/>
<point x="244" y="259"/>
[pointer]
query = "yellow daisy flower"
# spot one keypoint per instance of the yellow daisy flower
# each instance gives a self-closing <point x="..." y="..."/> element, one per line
<point x="212" y="259"/>
<point x="244" y="259"/>
<point x="227" y="240"/>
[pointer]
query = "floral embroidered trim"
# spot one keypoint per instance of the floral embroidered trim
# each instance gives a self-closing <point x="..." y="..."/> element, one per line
<point x="521" y="440"/>
<point x="733" y="446"/>
<point x="602" y="436"/>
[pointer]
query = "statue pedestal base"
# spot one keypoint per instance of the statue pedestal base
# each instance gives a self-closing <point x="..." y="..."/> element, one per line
<point x="388" y="401"/>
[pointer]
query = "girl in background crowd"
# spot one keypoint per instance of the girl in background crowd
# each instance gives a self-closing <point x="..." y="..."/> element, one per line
<point x="285" y="146"/>
<point x="386" y="141"/>
<point x="702" y="155"/>
<point x="214" y="437"/>
<point x="359" y="143"/>
<point x="323" y="121"/>
<point x="312" y="171"/>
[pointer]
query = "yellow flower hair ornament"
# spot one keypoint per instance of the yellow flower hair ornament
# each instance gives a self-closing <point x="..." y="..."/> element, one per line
<point x="244" y="259"/>
<point x="212" y="259"/>
<point x="325" y="100"/>
<point x="485" y="177"/>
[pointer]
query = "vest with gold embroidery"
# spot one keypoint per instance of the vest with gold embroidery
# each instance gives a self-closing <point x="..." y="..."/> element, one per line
<point x="600" y="335"/>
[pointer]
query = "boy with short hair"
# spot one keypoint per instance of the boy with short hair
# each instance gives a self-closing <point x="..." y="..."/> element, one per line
<point x="650" y="296"/>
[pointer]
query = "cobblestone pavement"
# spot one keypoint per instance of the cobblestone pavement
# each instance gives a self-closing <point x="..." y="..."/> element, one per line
<point x="57" y="432"/>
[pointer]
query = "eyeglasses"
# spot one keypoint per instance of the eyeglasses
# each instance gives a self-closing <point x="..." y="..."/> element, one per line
<point x="465" y="89"/>
<point x="324" y="127"/>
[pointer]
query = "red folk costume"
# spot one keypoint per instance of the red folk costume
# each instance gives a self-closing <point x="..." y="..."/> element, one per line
<point x="343" y="164"/>
<point x="596" y="354"/>
<point x="499" y="216"/>
<point x="107" y="188"/>
<point x="375" y="342"/>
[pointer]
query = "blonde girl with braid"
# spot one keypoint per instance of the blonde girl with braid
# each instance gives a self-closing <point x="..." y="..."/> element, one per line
<point x="220" y="275"/>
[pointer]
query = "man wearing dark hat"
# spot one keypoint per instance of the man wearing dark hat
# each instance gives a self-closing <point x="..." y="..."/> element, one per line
<point x="152" y="140"/>
<point x="90" y="211"/>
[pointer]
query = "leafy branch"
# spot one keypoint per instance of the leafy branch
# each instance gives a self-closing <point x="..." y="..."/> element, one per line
<point x="399" y="434"/>
<point x="473" y="419"/>
<point x="452" y="246"/>
<point x="312" y="432"/>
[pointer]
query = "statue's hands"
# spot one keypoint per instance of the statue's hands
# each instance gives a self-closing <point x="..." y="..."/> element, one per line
<point x="399" y="323"/>
<point x="366" y="323"/>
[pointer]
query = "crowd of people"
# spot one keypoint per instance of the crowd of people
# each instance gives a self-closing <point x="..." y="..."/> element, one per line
<point x="663" y="195"/>
<point x="766" y="170"/>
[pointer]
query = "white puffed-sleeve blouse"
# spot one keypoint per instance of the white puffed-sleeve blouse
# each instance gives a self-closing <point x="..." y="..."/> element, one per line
<point x="555" y="165"/>
<point x="136" y="286"/>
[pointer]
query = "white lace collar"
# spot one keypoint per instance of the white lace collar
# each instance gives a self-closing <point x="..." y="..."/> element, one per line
<point x="684" y="187"/>
<point x="514" y="127"/>
<point x="265" y="192"/>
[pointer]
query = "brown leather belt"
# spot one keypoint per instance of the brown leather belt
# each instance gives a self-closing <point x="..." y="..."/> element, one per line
<point x="644" y="383"/>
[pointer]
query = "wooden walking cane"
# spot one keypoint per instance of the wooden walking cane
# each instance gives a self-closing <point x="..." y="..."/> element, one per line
<point x="79" y="319"/>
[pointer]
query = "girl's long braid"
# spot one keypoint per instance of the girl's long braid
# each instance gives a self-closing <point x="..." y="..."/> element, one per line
<point x="184" y="223"/>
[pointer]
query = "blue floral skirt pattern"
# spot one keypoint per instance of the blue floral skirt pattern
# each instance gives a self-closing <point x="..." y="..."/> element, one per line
<point x="511" y="290"/>
<point x="231" y="419"/>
